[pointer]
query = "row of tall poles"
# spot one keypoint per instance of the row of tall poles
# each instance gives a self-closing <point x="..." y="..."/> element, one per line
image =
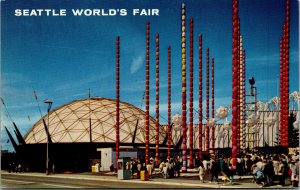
<point x="284" y="78"/>
<point x="237" y="90"/>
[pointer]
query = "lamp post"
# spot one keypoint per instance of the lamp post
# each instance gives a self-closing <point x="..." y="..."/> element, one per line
<point x="49" y="102"/>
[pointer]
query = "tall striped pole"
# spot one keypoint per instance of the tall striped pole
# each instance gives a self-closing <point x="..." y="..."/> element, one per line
<point x="281" y="91"/>
<point x="147" y="91"/>
<point x="200" y="98"/>
<point x="117" y="96"/>
<point x="283" y="95"/>
<point x="244" y="99"/>
<point x="287" y="60"/>
<point x="157" y="101"/>
<point x="183" y="62"/>
<point x="234" y="80"/>
<point x="238" y="92"/>
<point x="191" y="94"/>
<point x="207" y="102"/>
<point x="169" y="102"/>
<point x="213" y="103"/>
<point x="241" y="94"/>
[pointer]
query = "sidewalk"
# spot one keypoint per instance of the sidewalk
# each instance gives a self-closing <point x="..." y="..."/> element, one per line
<point x="181" y="181"/>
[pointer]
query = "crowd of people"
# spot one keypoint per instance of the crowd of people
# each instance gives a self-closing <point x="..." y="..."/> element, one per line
<point x="264" y="169"/>
<point x="17" y="167"/>
<point x="167" y="168"/>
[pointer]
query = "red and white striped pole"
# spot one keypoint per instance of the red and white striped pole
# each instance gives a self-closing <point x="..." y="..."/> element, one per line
<point x="191" y="94"/>
<point x="157" y="101"/>
<point x="147" y="91"/>
<point x="207" y="102"/>
<point x="169" y="102"/>
<point x="183" y="70"/>
<point x="200" y="97"/>
<point x="117" y="97"/>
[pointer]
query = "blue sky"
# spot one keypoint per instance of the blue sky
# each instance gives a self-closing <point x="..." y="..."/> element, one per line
<point x="61" y="57"/>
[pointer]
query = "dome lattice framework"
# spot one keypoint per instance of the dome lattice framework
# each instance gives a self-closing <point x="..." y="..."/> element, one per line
<point x="70" y="123"/>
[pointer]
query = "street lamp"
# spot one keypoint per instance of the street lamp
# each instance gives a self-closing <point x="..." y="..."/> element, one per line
<point x="49" y="102"/>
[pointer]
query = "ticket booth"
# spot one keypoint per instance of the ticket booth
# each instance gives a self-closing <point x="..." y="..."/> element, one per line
<point x="124" y="170"/>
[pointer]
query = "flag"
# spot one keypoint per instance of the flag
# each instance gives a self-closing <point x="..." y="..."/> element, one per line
<point x="35" y="94"/>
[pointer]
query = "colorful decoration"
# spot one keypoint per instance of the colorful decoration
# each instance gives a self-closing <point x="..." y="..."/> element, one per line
<point x="183" y="62"/>
<point x="222" y="112"/>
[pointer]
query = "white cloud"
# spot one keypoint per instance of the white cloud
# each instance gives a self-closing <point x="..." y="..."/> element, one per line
<point x="137" y="63"/>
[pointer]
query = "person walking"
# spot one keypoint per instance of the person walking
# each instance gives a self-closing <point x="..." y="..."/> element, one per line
<point x="201" y="172"/>
<point x="53" y="168"/>
<point x="214" y="169"/>
<point x="295" y="173"/>
<point x="240" y="168"/>
<point x="259" y="176"/>
<point x="224" y="170"/>
<point x="282" y="173"/>
<point x="269" y="172"/>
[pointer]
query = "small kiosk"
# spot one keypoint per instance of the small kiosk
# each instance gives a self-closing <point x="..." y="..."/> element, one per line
<point x="124" y="170"/>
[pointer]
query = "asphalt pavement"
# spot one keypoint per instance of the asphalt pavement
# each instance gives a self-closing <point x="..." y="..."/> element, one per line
<point x="109" y="180"/>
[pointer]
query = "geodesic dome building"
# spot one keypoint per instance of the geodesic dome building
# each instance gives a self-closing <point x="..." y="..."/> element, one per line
<point x="77" y="129"/>
<point x="93" y="120"/>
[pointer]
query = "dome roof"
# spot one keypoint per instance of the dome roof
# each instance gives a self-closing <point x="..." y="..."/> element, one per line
<point x="71" y="123"/>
